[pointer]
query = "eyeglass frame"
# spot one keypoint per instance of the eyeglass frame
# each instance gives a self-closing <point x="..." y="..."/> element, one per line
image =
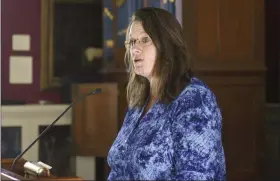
<point x="128" y="46"/>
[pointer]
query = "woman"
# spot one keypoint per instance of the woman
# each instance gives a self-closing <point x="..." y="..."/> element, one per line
<point x="172" y="128"/>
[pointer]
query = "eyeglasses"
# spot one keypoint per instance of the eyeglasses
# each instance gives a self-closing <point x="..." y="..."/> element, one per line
<point x="145" y="41"/>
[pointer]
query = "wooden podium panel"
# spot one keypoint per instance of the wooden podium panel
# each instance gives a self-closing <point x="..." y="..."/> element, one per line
<point x="95" y="120"/>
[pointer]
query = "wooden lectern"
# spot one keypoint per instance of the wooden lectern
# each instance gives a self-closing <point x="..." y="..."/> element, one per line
<point x="18" y="172"/>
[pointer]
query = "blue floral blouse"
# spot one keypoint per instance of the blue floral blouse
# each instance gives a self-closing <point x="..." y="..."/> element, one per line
<point x="179" y="141"/>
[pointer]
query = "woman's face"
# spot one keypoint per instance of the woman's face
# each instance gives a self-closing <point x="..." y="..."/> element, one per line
<point x="142" y="50"/>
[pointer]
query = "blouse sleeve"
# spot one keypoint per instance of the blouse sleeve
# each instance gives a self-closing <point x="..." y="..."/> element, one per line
<point x="197" y="138"/>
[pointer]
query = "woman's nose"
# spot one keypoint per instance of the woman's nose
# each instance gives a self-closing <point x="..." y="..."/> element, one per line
<point x="136" y="50"/>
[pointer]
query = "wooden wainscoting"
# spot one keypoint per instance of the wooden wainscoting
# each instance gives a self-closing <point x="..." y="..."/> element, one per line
<point x="241" y="99"/>
<point x="226" y="42"/>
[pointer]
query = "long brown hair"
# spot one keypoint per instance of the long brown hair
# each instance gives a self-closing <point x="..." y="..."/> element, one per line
<point x="172" y="71"/>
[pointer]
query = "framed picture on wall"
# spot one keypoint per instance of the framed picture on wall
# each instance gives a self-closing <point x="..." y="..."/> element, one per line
<point x="71" y="39"/>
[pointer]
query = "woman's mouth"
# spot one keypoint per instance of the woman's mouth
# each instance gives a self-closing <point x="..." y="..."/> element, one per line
<point x="138" y="60"/>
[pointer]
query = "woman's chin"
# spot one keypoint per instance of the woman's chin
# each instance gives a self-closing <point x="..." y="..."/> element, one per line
<point x="141" y="73"/>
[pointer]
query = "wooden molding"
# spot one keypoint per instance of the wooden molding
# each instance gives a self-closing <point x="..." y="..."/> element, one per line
<point x="47" y="16"/>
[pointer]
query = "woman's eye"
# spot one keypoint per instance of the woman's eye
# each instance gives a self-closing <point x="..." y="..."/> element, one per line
<point x="145" y="40"/>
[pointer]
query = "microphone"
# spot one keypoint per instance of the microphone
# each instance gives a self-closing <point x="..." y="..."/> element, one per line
<point x="80" y="98"/>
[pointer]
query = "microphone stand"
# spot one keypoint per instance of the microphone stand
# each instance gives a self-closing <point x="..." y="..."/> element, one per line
<point x="96" y="91"/>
